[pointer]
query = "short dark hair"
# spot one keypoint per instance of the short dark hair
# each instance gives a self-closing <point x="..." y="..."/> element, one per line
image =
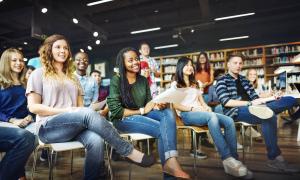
<point x="30" y="67"/>
<point x="95" y="71"/>
<point x="143" y="43"/>
<point x="236" y="54"/>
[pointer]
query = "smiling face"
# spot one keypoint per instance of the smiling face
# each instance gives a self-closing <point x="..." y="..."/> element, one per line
<point x="81" y="61"/>
<point x="188" y="69"/>
<point x="145" y="50"/>
<point x="202" y="59"/>
<point x="16" y="63"/>
<point x="60" y="51"/>
<point x="252" y="75"/>
<point x="131" y="62"/>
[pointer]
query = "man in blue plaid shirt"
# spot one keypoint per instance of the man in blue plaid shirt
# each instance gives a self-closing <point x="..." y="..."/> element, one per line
<point x="240" y="102"/>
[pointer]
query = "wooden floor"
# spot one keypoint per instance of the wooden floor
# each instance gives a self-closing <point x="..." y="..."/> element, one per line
<point x="210" y="168"/>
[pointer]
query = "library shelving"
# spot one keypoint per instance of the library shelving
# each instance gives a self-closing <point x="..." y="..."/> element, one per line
<point x="264" y="58"/>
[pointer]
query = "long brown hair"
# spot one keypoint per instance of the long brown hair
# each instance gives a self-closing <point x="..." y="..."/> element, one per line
<point x="206" y="66"/>
<point x="6" y="79"/>
<point x="47" y="59"/>
<point x="179" y="77"/>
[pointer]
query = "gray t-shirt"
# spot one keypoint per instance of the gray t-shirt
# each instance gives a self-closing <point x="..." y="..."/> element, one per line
<point x="55" y="93"/>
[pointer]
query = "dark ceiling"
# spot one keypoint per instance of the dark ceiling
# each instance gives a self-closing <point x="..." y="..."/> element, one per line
<point x="275" y="21"/>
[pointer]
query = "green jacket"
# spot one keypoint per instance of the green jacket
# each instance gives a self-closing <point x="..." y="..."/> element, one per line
<point x="140" y="92"/>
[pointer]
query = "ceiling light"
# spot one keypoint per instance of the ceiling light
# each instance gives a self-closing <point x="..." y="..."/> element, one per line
<point x="95" y="34"/>
<point x="90" y="48"/>
<point x="98" y="2"/>
<point x="106" y="20"/>
<point x="234" y="16"/>
<point x="25" y="59"/>
<point x="81" y="50"/>
<point x="145" y="30"/>
<point x="166" y="46"/>
<point x="44" y="10"/>
<point x="1" y="1"/>
<point x="25" y="43"/>
<point x="192" y="30"/>
<point x="98" y="41"/>
<point x="234" y="38"/>
<point x="75" y="20"/>
<point x="156" y="11"/>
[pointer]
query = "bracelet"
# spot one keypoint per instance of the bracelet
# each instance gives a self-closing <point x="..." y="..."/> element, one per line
<point x="142" y="111"/>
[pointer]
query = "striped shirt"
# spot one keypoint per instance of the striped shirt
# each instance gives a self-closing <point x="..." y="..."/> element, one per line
<point x="226" y="90"/>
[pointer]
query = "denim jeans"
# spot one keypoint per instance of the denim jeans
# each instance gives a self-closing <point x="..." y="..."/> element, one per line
<point x="268" y="126"/>
<point x="18" y="144"/>
<point x="227" y="143"/>
<point x="160" y="124"/>
<point x="89" y="128"/>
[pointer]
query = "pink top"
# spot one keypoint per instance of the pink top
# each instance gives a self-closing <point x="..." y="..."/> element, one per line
<point x="55" y="93"/>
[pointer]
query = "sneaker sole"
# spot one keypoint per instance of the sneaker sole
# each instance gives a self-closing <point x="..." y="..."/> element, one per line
<point x="241" y="173"/>
<point x="261" y="112"/>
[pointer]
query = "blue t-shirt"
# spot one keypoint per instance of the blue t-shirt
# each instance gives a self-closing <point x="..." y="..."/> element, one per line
<point x="13" y="103"/>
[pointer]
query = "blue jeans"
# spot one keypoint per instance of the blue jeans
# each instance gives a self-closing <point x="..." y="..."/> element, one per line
<point x="268" y="126"/>
<point x="89" y="128"/>
<point x="160" y="124"/>
<point x="18" y="144"/>
<point x="227" y="143"/>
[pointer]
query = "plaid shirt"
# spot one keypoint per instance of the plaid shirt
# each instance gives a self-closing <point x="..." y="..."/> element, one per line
<point x="226" y="90"/>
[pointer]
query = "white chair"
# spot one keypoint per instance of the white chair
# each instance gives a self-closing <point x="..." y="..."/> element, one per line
<point x="243" y="125"/>
<point x="53" y="149"/>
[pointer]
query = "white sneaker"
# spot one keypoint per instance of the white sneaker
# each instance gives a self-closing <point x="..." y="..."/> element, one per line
<point x="239" y="146"/>
<point x="234" y="167"/>
<point x="262" y="112"/>
<point x="254" y="133"/>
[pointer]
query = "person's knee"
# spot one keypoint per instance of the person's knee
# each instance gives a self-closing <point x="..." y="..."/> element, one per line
<point x="26" y="138"/>
<point x="93" y="140"/>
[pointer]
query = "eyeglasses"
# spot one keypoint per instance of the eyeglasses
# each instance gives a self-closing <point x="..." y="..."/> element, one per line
<point x="85" y="60"/>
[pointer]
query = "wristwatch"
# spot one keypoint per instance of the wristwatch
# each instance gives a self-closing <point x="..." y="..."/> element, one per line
<point x="249" y="103"/>
<point x="142" y="111"/>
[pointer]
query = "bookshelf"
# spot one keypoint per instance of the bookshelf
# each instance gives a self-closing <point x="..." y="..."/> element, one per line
<point x="264" y="58"/>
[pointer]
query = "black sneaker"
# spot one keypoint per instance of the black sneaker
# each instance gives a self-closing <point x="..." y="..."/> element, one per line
<point x="206" y="143"/>
<point x="44" y="155"/>
<point x="199" y="155"/>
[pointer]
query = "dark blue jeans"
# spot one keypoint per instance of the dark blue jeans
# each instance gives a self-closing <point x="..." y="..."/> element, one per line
<point x="18" y="144"/>
<point x="89" y="128"/>
<point x="160" y="124"/>
<point x="268" y="126"/>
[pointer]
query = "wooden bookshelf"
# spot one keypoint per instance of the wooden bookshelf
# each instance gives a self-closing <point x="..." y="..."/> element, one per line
<point x="264" y="58"/>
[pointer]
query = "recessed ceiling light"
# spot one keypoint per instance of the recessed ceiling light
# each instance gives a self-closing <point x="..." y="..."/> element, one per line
<point x="25" y="43"/>
<point x="81" y="50"/>
<point x="95" y="34"/>
<point x="234" y="16"/>
<point x="98" y="41"/>
<point x="98" y="2"/>
<point x="156" y="10"/>
<point x="90" y="48"/>
<point x="166" y="46"/>
<point x="192" y="30"/>
<point x="234" y="38"/>
<point x="44" y="10"/>
<point x="25" y="59"/>
<point x="106" y="20"/>
<point x="75" y="20"/>
<point x="1" y="1"/>
<point x="145" y="30"/>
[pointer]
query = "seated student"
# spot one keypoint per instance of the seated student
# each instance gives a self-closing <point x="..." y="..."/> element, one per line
<point x="13" y="102"/>
<point x="55" y="95"/>
<point x="29" y="71"/>
<point x="88" y="84"/>
<point x="240" y="102"/>
<point x="194" y="111"/>
<point x="103" y="93"/>
<point x="213" y="99"/>
<point x="132" y="110"/>
<point x="18" y="145"/>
